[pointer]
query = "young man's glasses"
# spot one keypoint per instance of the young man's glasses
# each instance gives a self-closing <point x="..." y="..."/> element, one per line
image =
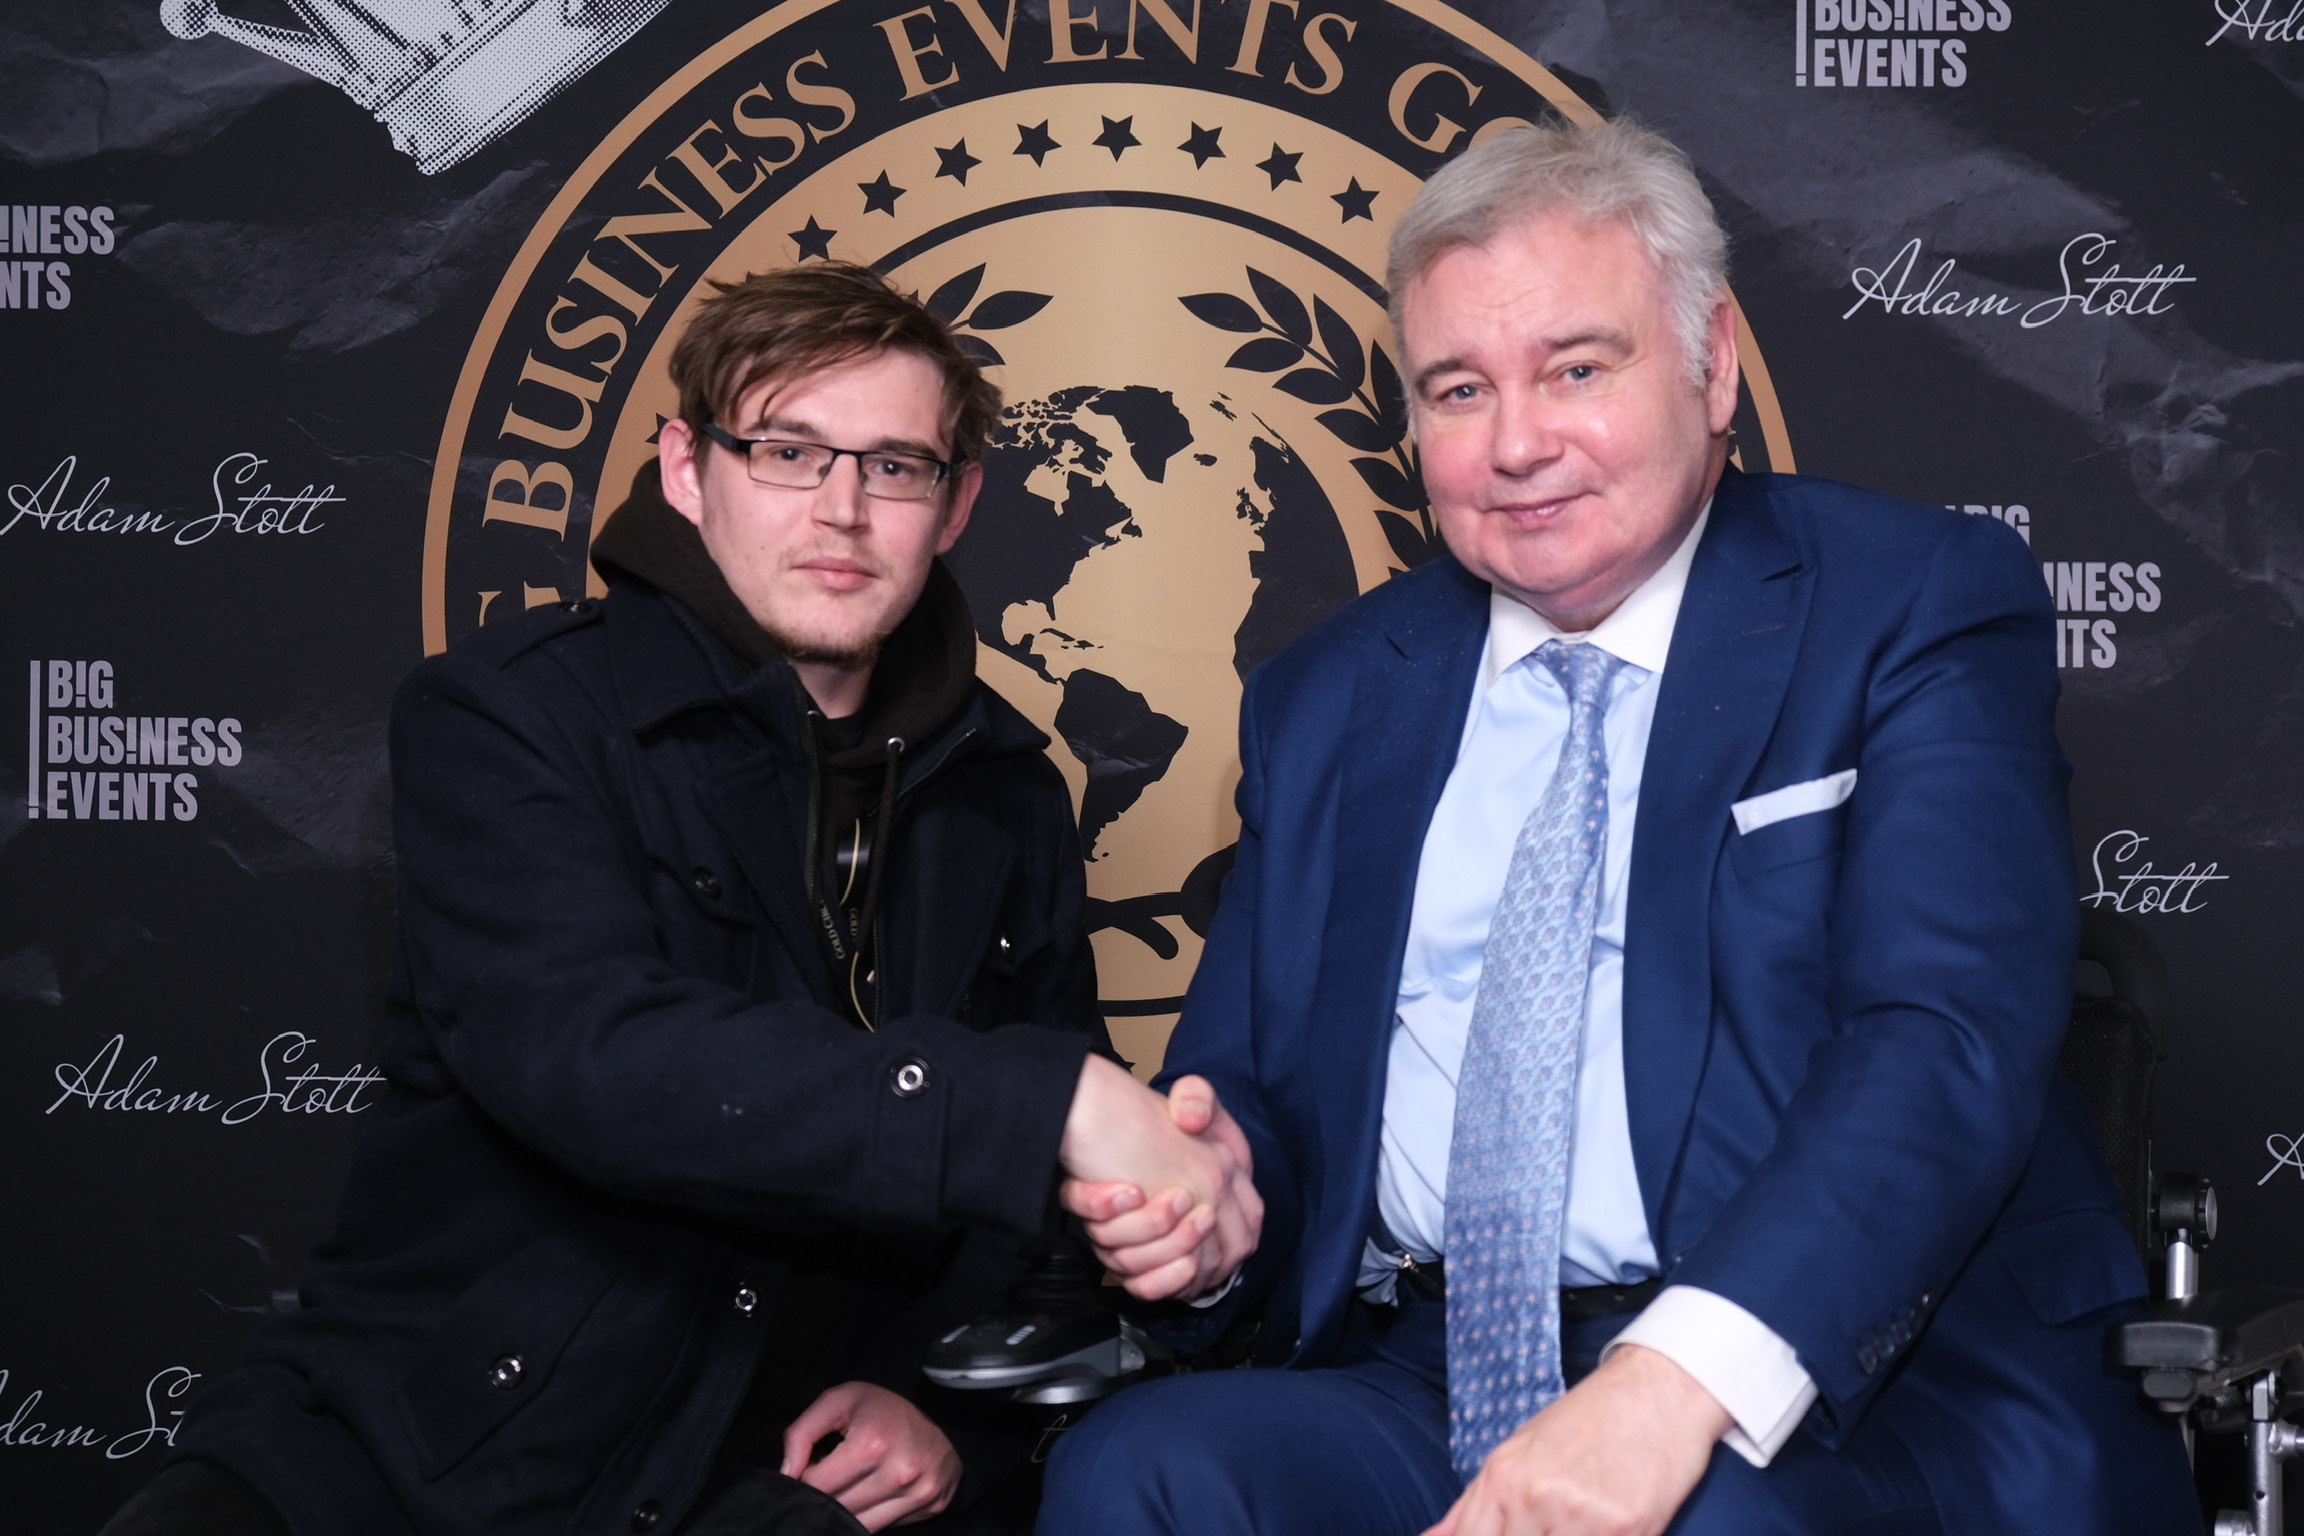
<point x="886" y="473"/>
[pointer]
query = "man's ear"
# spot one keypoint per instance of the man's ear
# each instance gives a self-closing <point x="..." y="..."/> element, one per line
<point x="1723" y="375"/>
<point x="967" y="480"/>
<point x="683" y="478"/>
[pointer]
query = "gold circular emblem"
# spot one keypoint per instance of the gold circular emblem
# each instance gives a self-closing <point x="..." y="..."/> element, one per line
<point x="1163" y="231"/>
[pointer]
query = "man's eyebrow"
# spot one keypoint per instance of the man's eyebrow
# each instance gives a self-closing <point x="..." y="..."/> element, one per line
<point x="911" y="445"/>
<point x="1606" y="337"/>
<point x="784" y="426"/>
<point x="806" y="432"/>
<point x="1596" y="336"/>
<point x="1430" y="371"/>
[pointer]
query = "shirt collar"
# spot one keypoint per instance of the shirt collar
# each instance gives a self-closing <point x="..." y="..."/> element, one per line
<point x="1639" y="631"/>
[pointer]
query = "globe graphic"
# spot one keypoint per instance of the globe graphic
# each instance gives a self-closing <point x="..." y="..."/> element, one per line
<point x="1140" y="550"/>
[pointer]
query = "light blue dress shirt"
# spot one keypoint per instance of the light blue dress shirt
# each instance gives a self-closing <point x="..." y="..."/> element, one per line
<point x="1511" y="743"/>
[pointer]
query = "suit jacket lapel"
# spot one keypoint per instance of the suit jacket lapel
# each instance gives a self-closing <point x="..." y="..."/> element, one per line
<point x="1397" y="745"/>
<point x="1733" y="649"/>
<point x="1407" y="718"/>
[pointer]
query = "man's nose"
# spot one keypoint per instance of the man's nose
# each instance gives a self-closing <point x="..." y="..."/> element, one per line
<point x="1527" y="435"/>
<point x="840" y="500"/>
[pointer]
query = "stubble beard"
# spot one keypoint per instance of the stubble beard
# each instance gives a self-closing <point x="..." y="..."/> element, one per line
<point x="862" y="654"/>
<point x="836" y="636"/>
<point x="819" y="649"/>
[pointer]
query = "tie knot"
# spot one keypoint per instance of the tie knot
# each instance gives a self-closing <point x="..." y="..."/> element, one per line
<point x="1584" y="670"/>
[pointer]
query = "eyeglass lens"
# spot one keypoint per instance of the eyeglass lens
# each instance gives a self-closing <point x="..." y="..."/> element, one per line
<point x="803" y="466"/>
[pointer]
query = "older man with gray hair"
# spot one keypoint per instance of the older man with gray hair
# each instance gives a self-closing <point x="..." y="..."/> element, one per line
<point x="1642" y="978"/>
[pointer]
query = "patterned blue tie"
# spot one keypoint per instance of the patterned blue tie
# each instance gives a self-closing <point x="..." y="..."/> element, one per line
<point x="1516" y="1093"/>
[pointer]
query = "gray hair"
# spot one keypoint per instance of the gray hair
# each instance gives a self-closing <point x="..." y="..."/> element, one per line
<point x="1615" y="170"/>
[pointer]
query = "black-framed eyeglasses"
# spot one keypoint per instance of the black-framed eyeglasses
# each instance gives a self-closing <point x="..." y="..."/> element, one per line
<point x="886" y="473"/>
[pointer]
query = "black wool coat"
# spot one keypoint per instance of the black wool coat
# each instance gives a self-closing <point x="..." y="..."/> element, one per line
<point x="621" y="1114"/>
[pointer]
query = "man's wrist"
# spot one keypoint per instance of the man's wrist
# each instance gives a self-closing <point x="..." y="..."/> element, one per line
<point x="1741" y="1362"/>
<point x="1087" y="1093"/>
<point x="1683" y="1399"/>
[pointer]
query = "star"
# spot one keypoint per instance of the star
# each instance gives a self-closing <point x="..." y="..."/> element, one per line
<point x="1354" y="201"/>
<point x="1202" y="146"/>
<point x="956" y="162"/>
<point x="1281" y="166"/>
<point x="1035" y="142"/>
<point x="814" y="241"/>
<point x="880" y="196"/>
<point x="1117" y="136"/>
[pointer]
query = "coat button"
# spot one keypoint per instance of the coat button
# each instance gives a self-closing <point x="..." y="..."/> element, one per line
<point x="910" y="1079"/>
<point x="1006" y="948"/>
<point x="504" y="1371"/>
<point x="746" y="1299"/>
<point x="707" y="884"/>
<point x="645" y="1517"/>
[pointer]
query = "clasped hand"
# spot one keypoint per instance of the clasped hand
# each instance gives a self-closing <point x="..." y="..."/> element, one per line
<point x="1165" y="1186"/>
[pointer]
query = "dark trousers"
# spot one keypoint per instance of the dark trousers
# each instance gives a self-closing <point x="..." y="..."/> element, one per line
<point x="195" y="1498"/>
<point x="1361" y="1449"/>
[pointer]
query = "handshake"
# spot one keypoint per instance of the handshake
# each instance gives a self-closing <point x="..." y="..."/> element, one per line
<point x="1164" y="1185"/>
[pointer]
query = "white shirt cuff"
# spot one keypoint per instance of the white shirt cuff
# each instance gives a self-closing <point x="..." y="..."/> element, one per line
<point x="1225" y="1290"/>
<point x="1734" y="1356"/>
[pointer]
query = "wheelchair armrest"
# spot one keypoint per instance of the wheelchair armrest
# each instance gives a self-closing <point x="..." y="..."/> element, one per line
<point x="2209" y="1345"/>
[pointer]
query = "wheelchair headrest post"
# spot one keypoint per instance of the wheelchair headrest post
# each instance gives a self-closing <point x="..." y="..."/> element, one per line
<point x="2184" y="1209"/>
<point x="2183" y="1282"/>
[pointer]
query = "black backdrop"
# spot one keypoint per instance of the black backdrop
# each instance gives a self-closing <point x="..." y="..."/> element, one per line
<point x="2060" y="289"/>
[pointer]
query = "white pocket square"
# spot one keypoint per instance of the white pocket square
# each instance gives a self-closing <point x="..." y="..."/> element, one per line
<point x="1794" y="800"/>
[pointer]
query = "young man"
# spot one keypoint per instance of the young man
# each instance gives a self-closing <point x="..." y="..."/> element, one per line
<point x="743" y="1011"/>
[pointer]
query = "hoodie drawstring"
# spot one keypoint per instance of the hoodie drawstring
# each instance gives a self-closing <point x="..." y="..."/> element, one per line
<point x="883" y="834"/>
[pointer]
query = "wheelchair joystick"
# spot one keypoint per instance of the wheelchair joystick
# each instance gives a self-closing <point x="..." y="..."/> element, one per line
<point x="1059" y="1344"/>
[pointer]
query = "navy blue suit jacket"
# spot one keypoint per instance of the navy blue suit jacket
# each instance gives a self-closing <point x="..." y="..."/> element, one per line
<point x="1840" y="1031"/>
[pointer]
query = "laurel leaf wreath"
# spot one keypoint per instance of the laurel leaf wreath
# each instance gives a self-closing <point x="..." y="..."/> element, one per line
<point x="1326" y="365"/>
<point x="999" y="311"/>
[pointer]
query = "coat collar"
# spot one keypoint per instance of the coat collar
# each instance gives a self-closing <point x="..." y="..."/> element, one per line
<point x="1438" y="609"/>
<point x="665" y="661"/>
<point x="757" y="785"/>
<point x="1724" y="683"/>
<point x="1416" y="695"/>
